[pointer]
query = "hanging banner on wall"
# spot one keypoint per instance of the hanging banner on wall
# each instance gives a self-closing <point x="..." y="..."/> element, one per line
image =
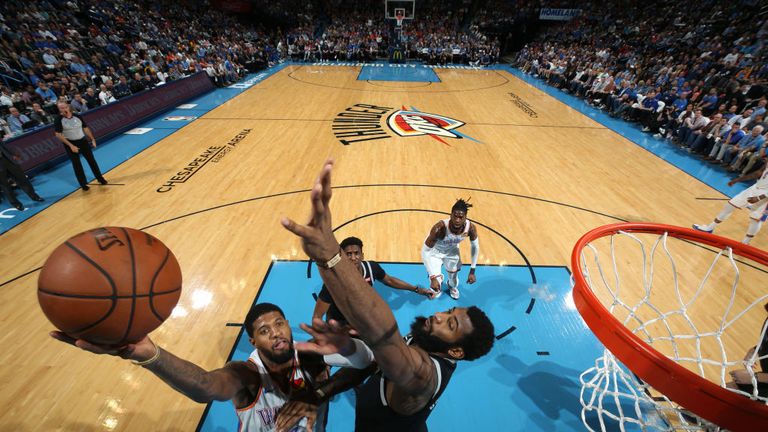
<point x="558" y="14"/>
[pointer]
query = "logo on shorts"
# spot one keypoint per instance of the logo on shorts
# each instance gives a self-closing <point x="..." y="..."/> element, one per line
<point x="411" y="123"/>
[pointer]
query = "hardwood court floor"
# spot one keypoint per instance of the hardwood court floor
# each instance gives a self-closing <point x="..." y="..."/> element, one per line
<point x="538" y="181"/>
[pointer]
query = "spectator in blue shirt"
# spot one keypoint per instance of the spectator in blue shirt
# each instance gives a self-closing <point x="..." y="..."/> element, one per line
<point x="748" y="146"/>
<point x="680" y="103"/>
<point x="48" y="95"/>
<point x="733" y="136"/>
<point x="760" y="108"/>
<point x="709" y="102"/>
<point x="16" y="121"/>
<point x="644" y="113"/>
<point x="75" y="66"/>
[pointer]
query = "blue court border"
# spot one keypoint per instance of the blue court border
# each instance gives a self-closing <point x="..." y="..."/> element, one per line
<point x="58" y="182"/>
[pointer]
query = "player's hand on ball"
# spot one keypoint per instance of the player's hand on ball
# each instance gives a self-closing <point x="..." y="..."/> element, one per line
<point x="471" y="278"/>
<point x="142" y="350"/>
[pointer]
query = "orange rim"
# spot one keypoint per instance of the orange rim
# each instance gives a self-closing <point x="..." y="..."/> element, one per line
<point x="699" y="395"/>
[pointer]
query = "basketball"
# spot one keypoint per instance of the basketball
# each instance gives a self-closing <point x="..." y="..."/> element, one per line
<point x="109" y="285"/>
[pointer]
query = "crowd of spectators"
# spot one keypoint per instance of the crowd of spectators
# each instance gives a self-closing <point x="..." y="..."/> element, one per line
<point x="91" y="53"/>
<point x="358" y="31"/>
<point x="439" y="38"/>
<point x="349" y="31"/>
<point x="696" y="76"/>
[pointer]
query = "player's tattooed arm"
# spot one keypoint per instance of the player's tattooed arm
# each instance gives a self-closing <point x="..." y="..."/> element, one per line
<point x="184" y="376"/>
<point x="198" y="384"/>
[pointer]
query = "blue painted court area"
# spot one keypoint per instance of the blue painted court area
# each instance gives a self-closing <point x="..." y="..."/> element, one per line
<point x="56" y="183"/>
<point x="397" y="72"/>
<point x="529" y="381"/>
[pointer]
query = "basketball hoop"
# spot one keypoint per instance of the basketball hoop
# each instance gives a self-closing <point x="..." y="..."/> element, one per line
<point x="659" y="337"/>
<point x="399" y="16"/>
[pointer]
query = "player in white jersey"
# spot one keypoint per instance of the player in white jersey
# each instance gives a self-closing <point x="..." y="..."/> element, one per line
<point x="441" y="248"/>
<point x="755" y="198"/>
<point x="259" y="387"/>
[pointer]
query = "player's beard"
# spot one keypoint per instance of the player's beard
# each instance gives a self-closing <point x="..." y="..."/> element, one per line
<point x="426" y="341"/>
<point x="282" y="356"/>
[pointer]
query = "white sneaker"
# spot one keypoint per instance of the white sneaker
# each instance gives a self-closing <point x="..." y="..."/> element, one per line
<point x="454" y="293"/>
<point x="438" y="294"/>
<point x="702" y="228"/>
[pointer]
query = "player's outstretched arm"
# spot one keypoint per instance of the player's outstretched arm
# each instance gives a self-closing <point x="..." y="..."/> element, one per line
<point x="185" y="377"/>
<point x="400" y="284"/>
<point x="366" y="311"/>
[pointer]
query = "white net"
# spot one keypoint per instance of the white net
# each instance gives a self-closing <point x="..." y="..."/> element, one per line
<point x="702" y="308"/>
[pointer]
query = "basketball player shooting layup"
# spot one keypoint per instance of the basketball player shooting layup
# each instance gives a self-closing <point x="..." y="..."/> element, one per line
<point x="442" y="248"/>
<point x="274" y="374"/>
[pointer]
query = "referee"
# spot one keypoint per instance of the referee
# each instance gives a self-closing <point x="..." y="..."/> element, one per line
<point x="71" y="130"/>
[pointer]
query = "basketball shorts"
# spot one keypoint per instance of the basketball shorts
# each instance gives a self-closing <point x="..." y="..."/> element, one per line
<point x="435" y="260"/>
<point x="757" y="209"/>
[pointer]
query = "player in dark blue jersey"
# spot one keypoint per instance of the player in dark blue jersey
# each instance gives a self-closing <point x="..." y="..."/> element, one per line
<point x="410" y="377"/>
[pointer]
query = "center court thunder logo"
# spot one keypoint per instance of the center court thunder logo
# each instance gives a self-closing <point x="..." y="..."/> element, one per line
<point x="363" y="122"/>
<point x="410" y="123"/>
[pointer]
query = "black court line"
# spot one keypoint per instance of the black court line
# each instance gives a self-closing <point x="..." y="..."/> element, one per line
<point x="506" y="332"/>
<point x="712" y="199"/>
<point x="530" y="306"/>
<point x="290" y="75"/>
<point x="374" y="83"/>
<point x="108" y="184"/>
<point x="263" y="197"/>
<point x="520" y="252"/>
<point x="468" y="123"/>
<point x="231" y="324"/>
<point x="234" y="345"/>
